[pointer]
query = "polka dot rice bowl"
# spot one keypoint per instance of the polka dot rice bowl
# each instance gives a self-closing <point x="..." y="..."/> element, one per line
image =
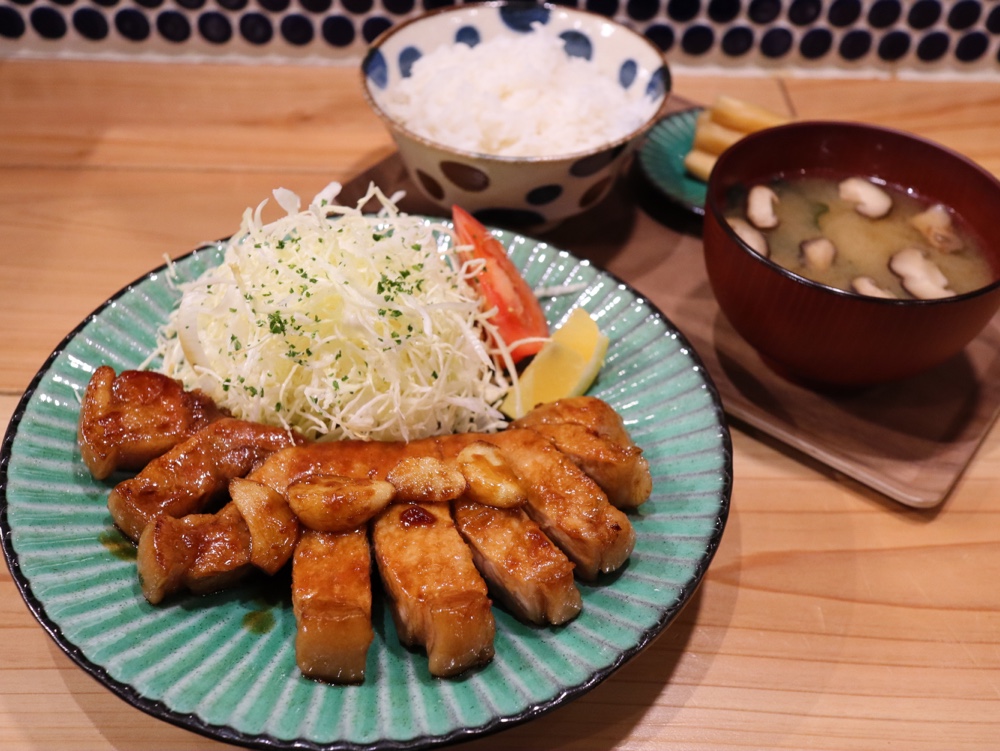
<point x="522" y="192"/>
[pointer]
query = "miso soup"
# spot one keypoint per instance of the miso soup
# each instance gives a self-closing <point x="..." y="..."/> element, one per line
<point x="837" y="232"/>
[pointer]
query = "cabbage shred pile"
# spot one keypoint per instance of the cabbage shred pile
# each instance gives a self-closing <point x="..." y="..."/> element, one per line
<point x="340" y="325"/>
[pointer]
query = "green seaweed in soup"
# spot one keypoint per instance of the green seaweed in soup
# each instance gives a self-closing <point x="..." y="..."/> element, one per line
<point x="827" y="233"/>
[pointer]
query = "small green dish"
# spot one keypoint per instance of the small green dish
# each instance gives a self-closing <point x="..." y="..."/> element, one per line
<point x="661" y="159"/>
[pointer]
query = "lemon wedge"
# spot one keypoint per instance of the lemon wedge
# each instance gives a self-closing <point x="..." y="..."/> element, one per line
<point x="566" y="366"/>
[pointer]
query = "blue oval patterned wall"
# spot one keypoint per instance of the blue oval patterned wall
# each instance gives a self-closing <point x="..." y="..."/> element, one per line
<point x="854" y="35"/>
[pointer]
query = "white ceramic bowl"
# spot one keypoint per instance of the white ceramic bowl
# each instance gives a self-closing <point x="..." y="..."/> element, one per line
<point x="533" y="192"/>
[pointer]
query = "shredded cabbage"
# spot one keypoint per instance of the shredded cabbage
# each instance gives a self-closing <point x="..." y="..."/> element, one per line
<point x="340" y="324"/>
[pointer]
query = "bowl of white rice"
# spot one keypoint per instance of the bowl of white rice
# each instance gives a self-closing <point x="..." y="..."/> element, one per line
<point x="522" y="113"/>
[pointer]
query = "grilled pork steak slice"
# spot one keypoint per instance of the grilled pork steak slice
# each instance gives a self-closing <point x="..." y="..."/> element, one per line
<point x="129" y="420"/>
<point x="199" y="552"/>
<point x="525" y="571"/>
<point x="437" y="598"/>
<point x="332" y="602"/>
<point x="569" y="506"/>
<point x="187" y="478"/>
<point x="592" y="434"/>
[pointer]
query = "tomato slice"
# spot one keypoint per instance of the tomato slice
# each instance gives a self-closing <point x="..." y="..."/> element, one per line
<point x="519" y="315"/>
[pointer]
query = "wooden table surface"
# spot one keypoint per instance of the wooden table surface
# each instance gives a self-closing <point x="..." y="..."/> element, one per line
<point x="831" y="617"/>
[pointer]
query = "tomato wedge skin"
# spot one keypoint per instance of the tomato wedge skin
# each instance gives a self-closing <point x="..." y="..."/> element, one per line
<point x="519" y="315"/>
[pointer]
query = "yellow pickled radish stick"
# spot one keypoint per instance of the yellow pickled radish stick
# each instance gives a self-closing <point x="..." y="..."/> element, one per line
<point x="712" y="138"/>
<point x="736" y="114"/>
<point x="699" y="164"/>
<point x="720" y="126"/>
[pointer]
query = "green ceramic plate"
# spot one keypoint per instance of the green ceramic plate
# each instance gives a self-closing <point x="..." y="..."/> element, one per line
<point x="224" y="666"/>
<point x="661" y="159"/>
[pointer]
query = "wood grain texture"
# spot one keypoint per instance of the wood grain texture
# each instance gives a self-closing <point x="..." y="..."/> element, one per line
<point x="831" y="618"/>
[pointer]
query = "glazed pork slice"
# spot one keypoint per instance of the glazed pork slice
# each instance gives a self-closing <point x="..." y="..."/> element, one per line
<point x="593" y="435"/>
<point x="437" y="598"/>
<point x="199" y="552"/>
<point x="525" y="571"/>
<point x="128" y="420"/>
<point x="488" y="479"/>
<point x="338" y="504"/>
<point x="564" y="501"/>
<point x="274" y="528"/>
<point x="187" y="478"/>
<point x="332" y="602"/>
<point x="592" y="413"/>
<point x="357" y="460"/>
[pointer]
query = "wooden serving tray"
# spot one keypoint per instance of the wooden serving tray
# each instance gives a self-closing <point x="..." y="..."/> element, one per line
<point x="909" y="440"/>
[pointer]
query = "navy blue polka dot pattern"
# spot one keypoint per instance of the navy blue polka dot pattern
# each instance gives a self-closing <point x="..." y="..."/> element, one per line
<point x="661" y="35"/>
<point x="804" y="12"/>
<point x="577" y="45"/>
<point x="933" y="46"/>
<point x="894" y="45"/>
<point x="764" y="11"/>
<point x="971" y="47"/>
<point x="627" y="73"/>
<point x="48" y="22"/>
<point x="659" y="83"/>
<point x="376" y="69"/>
<point x="215" y="27"/>
<point x="132" y="24"/>
<point x="316" y="6"/>
<point x="360" y="7"/>
<point x="297" y="29"/>
<point x="815" y="44"/>
<point x="603" y="7"/>
<point x="399" y="7"/>
<point x="338" y="31"/>
<point x="543" y="195"/>
<point x="683" y="10"/>
<point x="738" y="41"/>
<point x="776" y="42"/>
<point x="723" y="11"/>
<point x="924" y="14"/>
<point x="374" y="26"/>
<point x="12" y="25"/>
<point x="844" y="13"/>
<point x="256" y="28"/>
<point x="855" y="34"/>
<point x="521" y="18"/>
<point x="642" y="10"/>
<point x="407" y="57"/>
<point x="467" y="35"/>
<point x="884" y="13"/>
<point x="90" y="24"/>
<point x="173" y="26"/>
<point x="698" y="39"/>
<point x="855" y="44"/>
<point x="993" y="21"/>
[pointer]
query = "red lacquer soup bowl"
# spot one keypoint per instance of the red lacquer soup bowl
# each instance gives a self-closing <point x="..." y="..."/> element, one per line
<point x="820" y="335"/>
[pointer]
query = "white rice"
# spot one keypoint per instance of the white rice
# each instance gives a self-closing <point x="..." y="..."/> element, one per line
<point x="515" y="96"/>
